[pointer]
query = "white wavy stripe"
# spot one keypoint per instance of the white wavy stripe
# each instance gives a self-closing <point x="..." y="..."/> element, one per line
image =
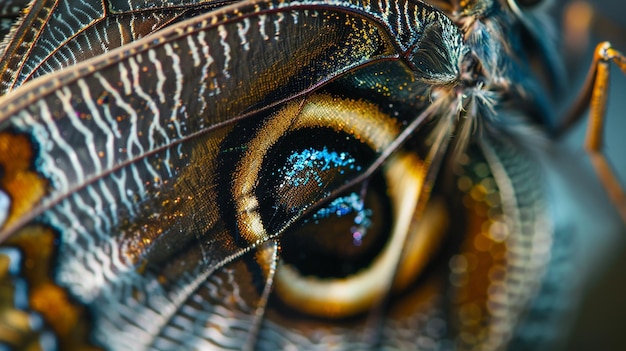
<point x="133" y="136"/>
<point x="60" y="142"/>
<point x="100" y="123"/>
<point x="155" y="124"/>
<point x="159" y="72"/>
<point x="65" y="95"/>
<point x="123" y="196"/>
<point x="179" y="79"/>
<point x="242" y="31"/>
<point x="204" y="79"/>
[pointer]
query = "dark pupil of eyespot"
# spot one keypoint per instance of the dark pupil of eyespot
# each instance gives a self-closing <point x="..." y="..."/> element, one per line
<point x="343" y="237"/>
<point x="350" y="230"/>
<point x="302" y="168"/>
<point x="528" y="3"/>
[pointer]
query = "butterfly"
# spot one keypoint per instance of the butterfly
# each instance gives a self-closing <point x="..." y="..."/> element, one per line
<point x="279" y="175"/>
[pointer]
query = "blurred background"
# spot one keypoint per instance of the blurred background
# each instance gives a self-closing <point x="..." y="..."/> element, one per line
<point x="598" y="323"/>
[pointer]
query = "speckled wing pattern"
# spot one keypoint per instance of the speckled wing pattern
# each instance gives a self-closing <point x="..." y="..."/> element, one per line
<point x="259" y="174"/>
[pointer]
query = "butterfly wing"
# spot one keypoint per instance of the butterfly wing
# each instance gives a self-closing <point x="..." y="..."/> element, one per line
<point x="123" y="164"/>
<point x="159" y="184"/>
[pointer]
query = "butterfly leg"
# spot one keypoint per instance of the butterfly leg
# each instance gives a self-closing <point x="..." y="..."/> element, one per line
<point x="594" y="97"/>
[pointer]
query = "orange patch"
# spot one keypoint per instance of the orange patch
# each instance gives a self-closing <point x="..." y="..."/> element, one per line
<point x="68" y="319"/>
<point x="18" y="180"/>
